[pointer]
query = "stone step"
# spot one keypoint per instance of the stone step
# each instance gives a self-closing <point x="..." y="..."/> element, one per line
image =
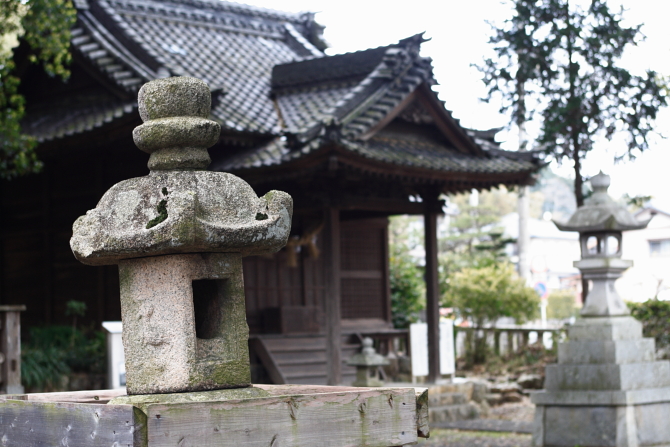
<point x="441" y="399"/>
<point x="453" y="412"/>
<point x="602" y="377"/>
<point x="616" y="352"/>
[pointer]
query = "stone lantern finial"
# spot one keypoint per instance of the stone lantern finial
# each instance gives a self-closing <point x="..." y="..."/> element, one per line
<point x="178" y="236"/>
<point x="176" y="130"/>
<point x="600" y="222"/>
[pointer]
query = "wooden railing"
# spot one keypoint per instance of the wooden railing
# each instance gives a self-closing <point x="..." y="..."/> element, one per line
<point x="503" y="341"/>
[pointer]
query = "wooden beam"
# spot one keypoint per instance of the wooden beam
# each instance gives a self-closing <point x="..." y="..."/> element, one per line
<point x="333" y="307"/>
<point x="32" y="424"/>
<point x="10" y="348"/>
<point x="298" y="415"/>
<point x="432" y="287"/>
<point x="371" y="417"/>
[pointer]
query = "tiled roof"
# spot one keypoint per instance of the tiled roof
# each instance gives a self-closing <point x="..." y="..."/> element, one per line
<point x="270" y="81"/>
<point x="391" y="150"/>
<point x="353" y="91"/>
<point x="48" y="125"/>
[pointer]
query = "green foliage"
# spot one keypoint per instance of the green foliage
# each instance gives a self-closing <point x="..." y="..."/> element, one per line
<point x="655" y="318"/>
<point x="406" y="290"/>
<point x="407" y="285"/>
<point x="566" y="58"/>
<point x="52" y="352"/>
<point x="483" y="295"/>
<point x="561" y="305"/>
<point x="473" y="238"/>
<point x="45" y="27"/>
<point x="75" y="308"/>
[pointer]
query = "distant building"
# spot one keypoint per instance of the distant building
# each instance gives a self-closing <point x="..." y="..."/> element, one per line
<point x="551" y="251"/>
<point x="650" y="251"/>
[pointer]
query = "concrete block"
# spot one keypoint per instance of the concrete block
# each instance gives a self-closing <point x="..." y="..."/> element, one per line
<point x="618" y="351"/>
<point x="583" y="426"/>
<point x="631" y="376"/>
<point x="591" y="397"/>
<point x="605" y="328"/>
<point x="453" y="412"/>
<point x="653" y="423"/>
<point x="600" y="426"/>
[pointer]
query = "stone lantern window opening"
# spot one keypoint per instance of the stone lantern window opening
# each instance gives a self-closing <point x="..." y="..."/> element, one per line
<point x="209" y="297"/>
<point x="601" y="244"/>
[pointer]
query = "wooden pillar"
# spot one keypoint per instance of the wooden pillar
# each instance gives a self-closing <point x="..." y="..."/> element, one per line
<point x="432" y="287"/>
<point x="331" y="261"/>
<point x="10" y="349"/>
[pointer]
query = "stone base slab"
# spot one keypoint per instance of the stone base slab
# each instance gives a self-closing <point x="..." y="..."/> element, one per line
<point x="602" y="426"/>
<point x="605" y="328"/>
<point x="616" y="351"/>
<point x="603" y="377"/>
<point x="631" y="397"/>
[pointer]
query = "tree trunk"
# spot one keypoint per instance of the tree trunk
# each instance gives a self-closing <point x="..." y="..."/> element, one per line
<point x="523" y="204"/>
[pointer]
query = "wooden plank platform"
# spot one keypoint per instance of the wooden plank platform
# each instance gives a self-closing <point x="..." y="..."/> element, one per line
<point x="289" y="415"/>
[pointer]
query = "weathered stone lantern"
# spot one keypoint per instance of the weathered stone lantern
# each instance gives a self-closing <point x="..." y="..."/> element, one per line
<point x="178" y="236"/>
<point x="607" y="388"/>
<point x="600" y="223"/>
<point x="367" y="362"/>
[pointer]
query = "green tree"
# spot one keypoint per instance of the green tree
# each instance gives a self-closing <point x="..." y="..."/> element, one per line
<point x="44" y="27"/>
<point x="406" y="278"/>
<point x="561" y="305"/>
<point x="483" y="295"/>
<point x="566" y="56"/>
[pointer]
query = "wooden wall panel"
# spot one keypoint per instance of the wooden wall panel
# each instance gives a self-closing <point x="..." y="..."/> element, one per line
<point x="365" y="289"/>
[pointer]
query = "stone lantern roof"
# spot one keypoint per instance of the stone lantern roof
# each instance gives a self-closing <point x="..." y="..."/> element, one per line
<point x="600" y="212"/>
<point x="180" y="207"/>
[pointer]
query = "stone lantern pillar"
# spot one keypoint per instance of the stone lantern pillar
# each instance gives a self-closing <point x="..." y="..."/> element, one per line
<point x="607" y="388"/>
<point x="178" y="236"/>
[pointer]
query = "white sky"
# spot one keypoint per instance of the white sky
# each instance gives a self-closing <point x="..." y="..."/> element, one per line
<point x="459" y="35"/>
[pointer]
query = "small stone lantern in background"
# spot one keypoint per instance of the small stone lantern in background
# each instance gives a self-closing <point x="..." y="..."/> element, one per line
<point x="178" y="236"/>
<point x="600" y="223"/>
<point x="367" y="363"/>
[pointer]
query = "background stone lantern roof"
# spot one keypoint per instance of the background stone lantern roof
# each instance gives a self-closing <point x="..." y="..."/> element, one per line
<point x="600" y="212"/>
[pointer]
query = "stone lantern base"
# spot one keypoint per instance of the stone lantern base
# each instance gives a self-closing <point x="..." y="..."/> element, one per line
<point x="184" y="323"/>
<point x="606" y="390"/>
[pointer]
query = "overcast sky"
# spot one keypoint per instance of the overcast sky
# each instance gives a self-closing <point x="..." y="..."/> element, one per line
<point x="459" y="35"/>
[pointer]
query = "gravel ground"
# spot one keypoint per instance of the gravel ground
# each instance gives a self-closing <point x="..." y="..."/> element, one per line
<point x="459" y="438"/>
<point x="520" y="412"/>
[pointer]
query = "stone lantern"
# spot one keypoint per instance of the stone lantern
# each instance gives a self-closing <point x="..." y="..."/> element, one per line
<point x="367" y="362"/>
<point x="178" y="236"/>
<point x="607" y="389"/>
<point x="600" y="222"/>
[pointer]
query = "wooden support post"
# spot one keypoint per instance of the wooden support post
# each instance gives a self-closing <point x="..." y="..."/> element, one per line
<point x="432" y="288"/>
<point x="10" y="349"/>
<point x="331" y="233"/>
